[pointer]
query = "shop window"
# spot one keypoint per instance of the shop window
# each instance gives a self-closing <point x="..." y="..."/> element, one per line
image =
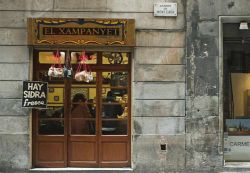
<point x="236" y="94"/>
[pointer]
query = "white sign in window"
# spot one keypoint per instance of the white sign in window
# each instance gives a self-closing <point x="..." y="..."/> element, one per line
<point x="165" y="9"/>
<point x="237" y="148"/>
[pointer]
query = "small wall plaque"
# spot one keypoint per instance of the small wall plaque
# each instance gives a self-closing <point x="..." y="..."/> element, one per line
<point x="165" y="9"/>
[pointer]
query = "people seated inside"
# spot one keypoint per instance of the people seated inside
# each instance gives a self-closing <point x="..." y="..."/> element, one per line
<point x="111" y="109"/>
<point x="80" y="111"/>
<point x="91" y="107"/>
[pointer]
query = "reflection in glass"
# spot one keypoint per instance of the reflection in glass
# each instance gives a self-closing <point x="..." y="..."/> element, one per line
<point x="112" y="110"/>
<point x="76" y="57"/>
<point x="51" y="127"/>
<point x="52" y="112"/>
<point x="115" y="58"/>
<point x="55" y="95"/>
<point x="82" y="115"/>
<point x="85" y="78"/>
<point x="115" y="78"/>
<point x="114" y="127"/>
<point x="49" y="57"/>
<point x="114" y="114"/>
<point x="82" y="126"/>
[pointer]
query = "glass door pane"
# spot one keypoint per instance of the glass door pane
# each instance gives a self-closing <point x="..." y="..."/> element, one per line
<point x="83" y="109"/>
<point x="51" y="120"/>
<point x="114" y="103"/>
<point x="82" y="140"/>
<point x="50" y="125"/>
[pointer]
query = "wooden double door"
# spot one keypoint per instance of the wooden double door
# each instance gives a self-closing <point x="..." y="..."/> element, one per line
<point x="86" y="124"/>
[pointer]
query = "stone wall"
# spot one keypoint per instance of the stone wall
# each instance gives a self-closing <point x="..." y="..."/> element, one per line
<point x="204" y="148"/>
<point x="159" y="95"/>
<point x="175" y="83"/>
<point x="14" y="63"/>
<point x="158" y="82"/>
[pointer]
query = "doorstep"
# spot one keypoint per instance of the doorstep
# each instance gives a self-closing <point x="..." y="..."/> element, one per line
<point x="237" y="165"/>
<point x="82" y="170"/>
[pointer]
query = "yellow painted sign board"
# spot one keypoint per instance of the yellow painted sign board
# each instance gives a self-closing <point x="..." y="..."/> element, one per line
<point x="76" y="31"/>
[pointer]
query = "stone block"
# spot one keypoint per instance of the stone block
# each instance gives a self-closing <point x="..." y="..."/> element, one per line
<point x="12" y="107"/>
<point x="142" y="20"/>
<point x="202" y="63"/>
<point x="159" y="90"/>
<point x="140" y="5"/>
<point x="208" y="9"/>
<point x="41" y="5"/>
<point x="14" y="152"/>
<point x="211" y="9"/>
<point x="147" y="55"/>
<point x="160" y="38"/>
<point x="20" y="55"/>
<point x="147" y="152"/>
<point x="81" y="5"/>
<point x="13" y="36"/>
<point x="202" y="151"/>
<point x="112" y="5"/>
<point x="11" y="89"/>
<point x="200" y="76"/>
<point x="159" y="125"/>
<point x="202" y="125"/>
<point x="159" y="73"/>
<point x="148" y="21"/>
<point x="14" y="124"/>
<point x="12" y="19"/>
<point x="209" y="28"/>
<point x="159" y="108"/>
<point x="201" y="46"/>
<point x="204" y="81"/>
<point x="202" y="104"/>
<point x="18" y="19"/>
<point x="235" y="7"/>
<point x="14" y="71"/>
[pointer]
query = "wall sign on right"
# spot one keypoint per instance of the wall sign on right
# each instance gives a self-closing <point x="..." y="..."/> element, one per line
<point x="165" y="9"/>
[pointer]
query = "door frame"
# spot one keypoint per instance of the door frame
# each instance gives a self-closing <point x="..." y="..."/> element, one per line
<point x="223" y="20"/>
<point x="75" y="48"/>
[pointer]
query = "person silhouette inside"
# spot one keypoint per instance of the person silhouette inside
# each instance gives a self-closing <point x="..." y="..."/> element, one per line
<point x="111" y="110"/>
<point x="79" y="113"/>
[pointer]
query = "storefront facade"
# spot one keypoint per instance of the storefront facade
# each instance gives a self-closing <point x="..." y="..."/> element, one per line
<point x="170" y="78"/>
<point x="87" y="66"/>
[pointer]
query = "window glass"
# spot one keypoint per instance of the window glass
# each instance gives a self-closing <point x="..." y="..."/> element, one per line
<point x="114" y="103"/>
<point x="52" y="112"/>
<point x="83" y="109"/>
<point x="76" y="57"/>
<point x="236" y="94"/>
<point x="117" y="79"/>
<point x="49" y="57"/>
<point x="114" y="58"/>
<point x="51" y="121"/>
<point x="51" y="127"/>
<point x="55" y="95"/>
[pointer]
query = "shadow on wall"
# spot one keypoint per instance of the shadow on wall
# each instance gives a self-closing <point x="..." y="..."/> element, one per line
<point x="137" y="130"/>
